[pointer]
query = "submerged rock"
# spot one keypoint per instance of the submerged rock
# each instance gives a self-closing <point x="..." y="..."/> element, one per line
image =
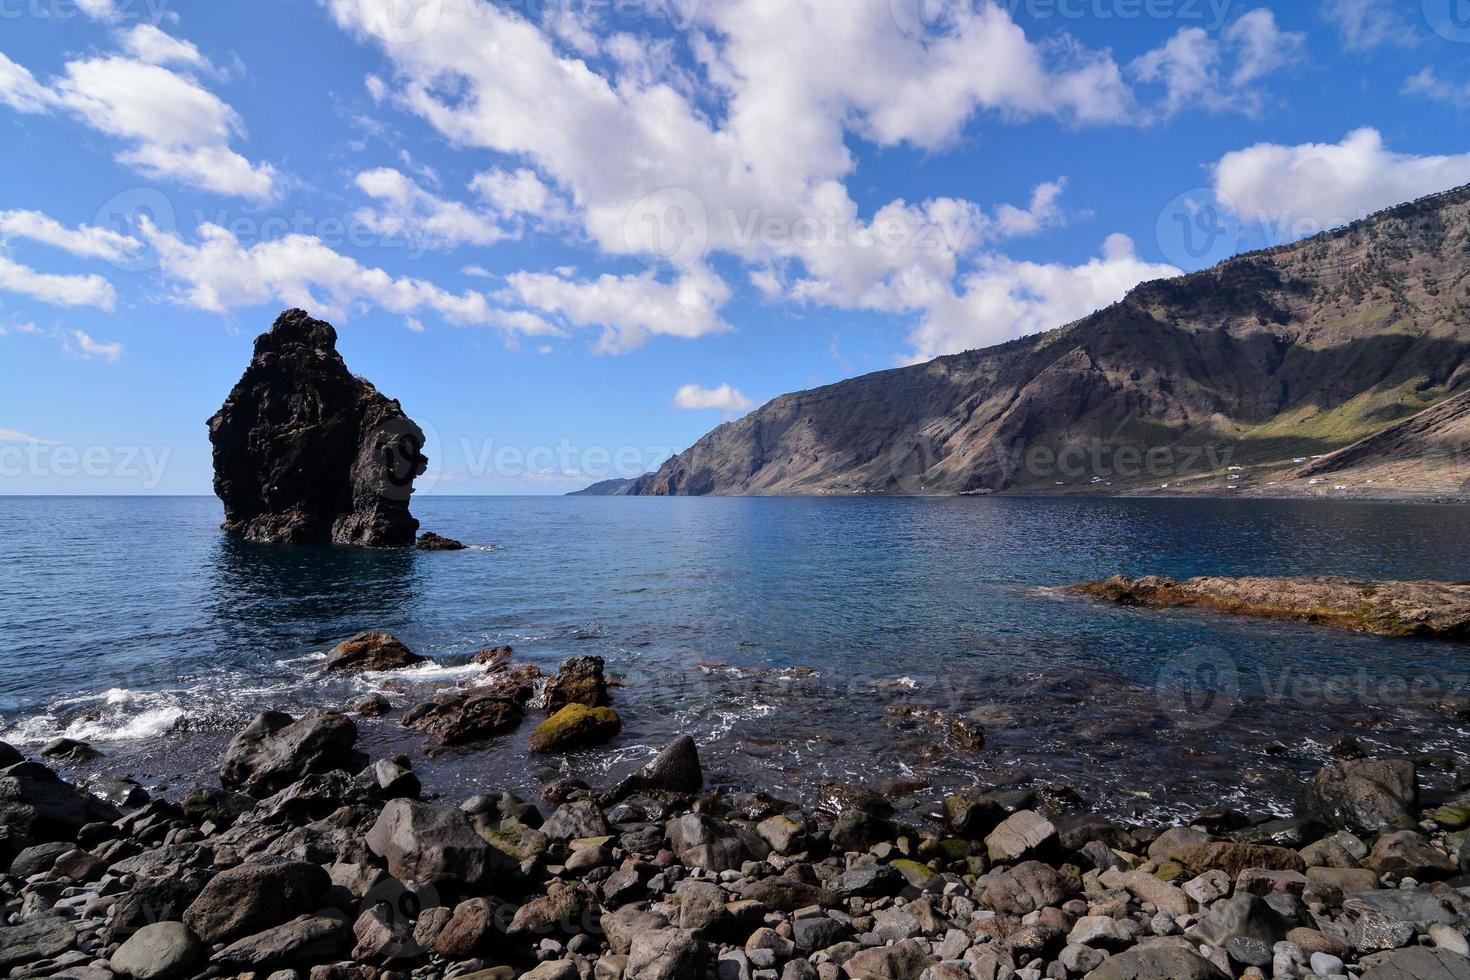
<point x="306" y="453"/>
<point x="1432" y="610"/>
<point x="429" y="541"/>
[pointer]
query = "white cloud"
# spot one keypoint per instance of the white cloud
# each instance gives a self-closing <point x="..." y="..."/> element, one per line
<point x="409" y="212"/>
<point x="85" y="241"/>
<point x="486" y="77"/>
<point x="630" y="309"/>
<point x="98" y="9"/>
<point x="82" y="345"/>
<point x="176" y="129"/>
<point x="12" y="435"/>
<point x="1300" y="190"/>
<point x="20" y="328"/>
<point x="756" y="135"/>
<point x="1366" y="24"/>
<point x="1217" y="74"/>
<point x="1043" y="212"/>
<point x="20" y="90"/>
<point x="1430" y="86"/>
<point x="693" y="397"/>
<point x="219" y="274"/>
<point x="518" y="192"/>
<point x="153" y="46"/>
<point x="91" y="290"/>
<point x="1003" y="299"/>
<point x="414" y="326"/>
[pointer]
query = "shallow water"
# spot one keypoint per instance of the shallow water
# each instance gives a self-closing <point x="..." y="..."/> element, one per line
<point x="133" y="623"/>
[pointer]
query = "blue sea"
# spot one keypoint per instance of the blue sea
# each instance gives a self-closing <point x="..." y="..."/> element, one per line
<point x="804" y="642"/>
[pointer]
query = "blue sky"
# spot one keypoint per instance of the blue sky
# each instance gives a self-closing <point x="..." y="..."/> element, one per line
<point x="571" y="236"/>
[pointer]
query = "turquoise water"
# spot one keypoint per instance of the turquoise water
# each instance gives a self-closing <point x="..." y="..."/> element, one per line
<point x="133" y="623"/>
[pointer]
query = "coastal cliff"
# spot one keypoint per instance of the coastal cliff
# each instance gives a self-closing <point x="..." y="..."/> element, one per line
<point x="307" y="453"/>
<point x="1230" y="378"/>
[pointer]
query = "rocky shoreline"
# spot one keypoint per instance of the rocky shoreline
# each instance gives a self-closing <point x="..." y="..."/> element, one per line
<point x="308" y="859"/>
<point x="1427" y="610"/>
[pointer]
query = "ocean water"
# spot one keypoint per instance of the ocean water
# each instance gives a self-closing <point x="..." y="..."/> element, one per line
<point x="803" y="642"/>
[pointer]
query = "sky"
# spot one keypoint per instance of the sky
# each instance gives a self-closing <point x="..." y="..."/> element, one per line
<point x="572" y="236"/>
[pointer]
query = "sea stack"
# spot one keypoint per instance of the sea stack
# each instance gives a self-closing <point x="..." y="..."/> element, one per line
<point x="307" y="453"/>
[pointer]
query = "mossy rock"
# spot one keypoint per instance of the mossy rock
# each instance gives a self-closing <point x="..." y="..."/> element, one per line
<point x="1451" y="816"/>
<point x="1170" y="871"/>
<point x="921" y="876"/>
<point x="573" y="726"/>
<point x="517" y="842"/>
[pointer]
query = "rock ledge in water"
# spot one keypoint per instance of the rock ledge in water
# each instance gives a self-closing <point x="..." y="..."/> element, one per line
<point x="1430" y="610"/>
<point x="306" y="453"/>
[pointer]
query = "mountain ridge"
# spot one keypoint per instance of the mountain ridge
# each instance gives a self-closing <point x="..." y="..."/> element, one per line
<point x="1228" y="376"/>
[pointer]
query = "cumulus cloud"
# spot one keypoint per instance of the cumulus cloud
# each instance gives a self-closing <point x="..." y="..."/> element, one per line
<point x="1300" y="190"/>
<point x="174" y="128"/>
<point x="639" y="148"/>
<point x="630" y="309"/>
<point x="219" y="274"/>
<point x="1219" y="74"/>
<point x="89" y="290"/>
<point x="410" y="213"/>
<point x="84" y="241"/>
<point x="80" y="344"/>
<point x="1003" y="298"/>
<point x="149" y="44"/>
<point x="694" y="398"/>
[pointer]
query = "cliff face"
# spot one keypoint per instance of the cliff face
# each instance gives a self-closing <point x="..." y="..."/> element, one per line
<point x="1272" y="356"/>
<point x="306" y="453"/>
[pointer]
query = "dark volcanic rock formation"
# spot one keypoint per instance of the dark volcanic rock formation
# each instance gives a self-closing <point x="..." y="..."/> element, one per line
<point x="306" y="453"/>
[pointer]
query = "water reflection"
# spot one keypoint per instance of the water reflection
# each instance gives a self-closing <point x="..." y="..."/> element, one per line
<point x="283" y="597"/>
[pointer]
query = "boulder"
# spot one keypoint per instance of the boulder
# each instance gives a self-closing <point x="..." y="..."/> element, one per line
<point x="701" y="841"/>
<point x="579" y="680"/>
<point x="575" y="821"/>
<point x="250" y="897"/>
<point x="1420" y="963"/>
<point x="435" y="845"/>
<point x="675" y="770"/>
<point x="1234" y="858"/>
<point x="574" y="726"/>
<point x="37" y="805"/>
<point x="1158" y="963"/>
<point x="1363" y="796"/>
<point x="306" y="939"/>
<point x="665" y="954"/>
<point x="35" y="939"/>
<point x="1409" y="855"/>
<point x="473" y="929"/>
<point x="461" y="718"/>
<point x="275" y="750"/>
<point x="306" y="453"/>
<point x="1027" y="887"/>
<point x="902" y="961"/>
<point x="1023" y="834"/>
<point x="566" y="906"/>
<point x="383" y="935"/>
<point x="370" y="651"/>
<point x="1241" y="915"/>
<point x="161" y="951"/>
